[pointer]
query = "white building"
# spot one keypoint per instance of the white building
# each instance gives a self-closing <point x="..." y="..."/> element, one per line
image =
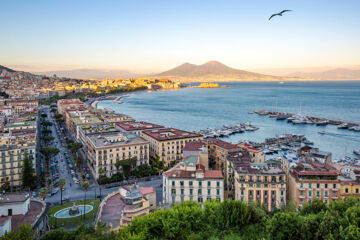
<point x="189" y="180"/>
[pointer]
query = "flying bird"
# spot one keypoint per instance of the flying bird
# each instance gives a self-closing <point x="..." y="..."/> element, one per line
<point x="279" y="14"/>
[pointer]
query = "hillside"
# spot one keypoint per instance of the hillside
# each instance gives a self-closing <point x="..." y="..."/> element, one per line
<point x="90" y="73"/>
<point x="214" y="71"/>
<point x="334" y="74"/>
<point x="7" y="69"/>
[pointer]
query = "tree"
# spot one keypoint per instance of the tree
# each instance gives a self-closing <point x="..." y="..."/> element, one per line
<point x="62" y="183"/>
<point x="85" y="186"/>
<point x="48" y="139"/>
<point x="24" y="232"/>
<point x="78" y="161"/>
<point x="101" y="172"/>
<point x="74" y="146"/>
<point x="46" y="124"/>
<point x="48" y="152"/>
<point x="53" y="110"/>
<point x="43" y="193"/>
<point x="28" y="174"/>
<point x="5" y="186"/>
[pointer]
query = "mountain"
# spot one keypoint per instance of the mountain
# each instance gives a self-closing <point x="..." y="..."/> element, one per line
<point x="7" y="69"/>
<point x="90" y="73"/>
<point x="214" y="71"/>
<point x="334" y="74"/>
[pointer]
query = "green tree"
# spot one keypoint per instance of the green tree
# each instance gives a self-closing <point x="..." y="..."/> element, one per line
<point x="46" y="124"/>
<point x="28" y="176"/>
<point x="62" y="183"/>
<point x="48" y="139"/>
<point x="5" y="186"/>
<point x="24" y="232"/>
<point x="48" y="153"/>
<point x="285" y="225"/>
<point x="74" y="147"/>
<point x="85" y="186"/>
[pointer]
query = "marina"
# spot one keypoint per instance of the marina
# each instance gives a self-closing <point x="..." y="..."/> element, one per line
<point x="301" y="119"/>
<point x="227" y="130"/>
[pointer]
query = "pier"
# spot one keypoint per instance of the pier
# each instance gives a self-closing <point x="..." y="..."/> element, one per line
<point x="300" y="119"/>
<point x="227" y="130"/>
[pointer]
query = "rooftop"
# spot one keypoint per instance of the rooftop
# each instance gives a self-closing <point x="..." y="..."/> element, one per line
<point x="133" y="126"/>
<point x="13" y="197"/>
<point x="208" y="174"/>
<point x="222" y="144"/>
<point x="194" y="146"/>
<point x="37" y="209"/>
<point x="115" y="139"/>
<point x="170" y="134"/>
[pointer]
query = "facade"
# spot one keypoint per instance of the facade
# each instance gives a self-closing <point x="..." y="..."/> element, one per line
<point x="105" y="149"/>
<point x="310" y="180"/>
<point x="17" y="209"/>
<point x="65" y="104"/>
<point x="168" y="143"/>
<point x="189" y="180"/>
<point x="349" y="188"/>
<point x="137" y="127"/>
<point x="260" y="182"/>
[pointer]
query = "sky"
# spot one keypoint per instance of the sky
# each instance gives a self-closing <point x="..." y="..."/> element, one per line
<point x="154" y="36"/>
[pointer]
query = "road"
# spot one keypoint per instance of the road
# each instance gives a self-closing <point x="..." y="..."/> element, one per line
<point x="74" y="191"/>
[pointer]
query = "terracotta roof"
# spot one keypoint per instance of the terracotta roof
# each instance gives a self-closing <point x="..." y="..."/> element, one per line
<point x="193" y="146"/>
<point x="170" y="134"/>
<point x="222" y="144"/>
<point x="4" y="219"/>
<point x="249" y="147"/>
<point x="146" y="190"/>
<point x="138" y="126"/>
<point x="213" y="174"/>
<point x="30" y="217"/>
<point x="323" y="173"/>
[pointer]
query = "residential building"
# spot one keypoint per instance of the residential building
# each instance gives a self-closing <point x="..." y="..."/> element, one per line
<point x="261" y="182"/>
<point x="17" y="209"/>
<point x="168" y="143"/>
<point x="105" y="149"/>
<point x="309" y="180"/>
<point x="65" y="104"/>
<point x="189" y="180"/>
<point x="349" y="188"/>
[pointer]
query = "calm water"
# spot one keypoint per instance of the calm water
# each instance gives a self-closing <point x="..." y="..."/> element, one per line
<point x="195" y="109"/>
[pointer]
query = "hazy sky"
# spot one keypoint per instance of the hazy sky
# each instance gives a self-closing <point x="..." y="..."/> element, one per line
<point x="151" y="36"/>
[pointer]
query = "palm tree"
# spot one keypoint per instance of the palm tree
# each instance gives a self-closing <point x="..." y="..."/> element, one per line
<point x="43" y="193"/>
<point x="101" y="172"/>
<point x="85" y="186"/>
<point x="62" y="183"/>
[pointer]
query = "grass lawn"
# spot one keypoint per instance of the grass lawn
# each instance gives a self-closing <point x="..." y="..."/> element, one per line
<point x="75" y="221"/>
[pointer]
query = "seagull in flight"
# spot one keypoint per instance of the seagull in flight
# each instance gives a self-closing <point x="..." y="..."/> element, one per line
<point x="279" y="14"/>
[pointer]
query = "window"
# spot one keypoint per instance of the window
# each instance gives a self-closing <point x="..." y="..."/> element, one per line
<point x="181" y="183"/>
<point x="301" y="193"/>
<point x="199" y="192"/>
<point x="265" y="178"/>
<point x="309" y="185"/>
<point x="318" y="194"/>
<point x="217" y="191"/>
<point x="173" y="183"/>
<point x="209" y="183"/>
<point x="334" y="186"/>
<point x="346" y="190"/>
<point x="326" y="193"/>
<point x="218" y="184"/>
<point x="191" y="192"/>
<point x="318" y="185"/>
<point x="200" y="183"/>
<point x="301" y="185"/>
<point x="182" y="191"/>
<point x="173" y="191"/>
<point x="209" y="191"/>
<point x="357" y="190"/>
<point x="309" y="193"/>
<point x="282" y="193"/>
<point x="200" y="200"/>
<point x="190" y="183"/>
<point x="334" y="194"/>
<point x="326" y="185"/>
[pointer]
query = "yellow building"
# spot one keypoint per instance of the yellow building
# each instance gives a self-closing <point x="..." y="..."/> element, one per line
<point x="260" y="182"/>
<point x="168" y="143"/>
<point x="349" y="189"/>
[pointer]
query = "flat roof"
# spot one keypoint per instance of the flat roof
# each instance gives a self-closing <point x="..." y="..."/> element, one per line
<point x="170" y="134"/>
<point x="13" y="197"/>
<point x="112" y="139"/>
<point x="133" y="126"/>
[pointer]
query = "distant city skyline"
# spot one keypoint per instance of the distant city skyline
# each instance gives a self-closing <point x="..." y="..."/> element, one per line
<point x="145" y="37"/>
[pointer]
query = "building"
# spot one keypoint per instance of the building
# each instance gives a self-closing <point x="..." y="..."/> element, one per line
<point x="105" y="149"/>
<point x="17" y="209"/>
<point x="137" y="127"/>
<point x="349" y="188"/>
<point x="65" y="104"/>
<point x="189" y="180"/>
<point x="121" y="207"/>
<point x="168" y="143"/>
<point x="309" y="180"/>
<point x="261" y="182"/>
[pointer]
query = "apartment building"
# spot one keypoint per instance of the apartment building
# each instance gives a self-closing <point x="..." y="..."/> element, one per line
<point x="309" y="180"/>
<point x="65" y="104"/>
<point x="189" y="180"/>
<point x="137" y="127"/>
<point x="261" y="182"/>
<point x="168" y="143"/>
<point x="105" y="149"/>
<point x="349" y="188"/>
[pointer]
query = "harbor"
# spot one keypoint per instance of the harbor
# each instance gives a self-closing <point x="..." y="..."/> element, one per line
<point x="311" y="120"/>
<point x="227" y="130"/>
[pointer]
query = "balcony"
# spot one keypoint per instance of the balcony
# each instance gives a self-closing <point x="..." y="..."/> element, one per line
<point x="334" y="197"/>
<point x="302" y="196"/>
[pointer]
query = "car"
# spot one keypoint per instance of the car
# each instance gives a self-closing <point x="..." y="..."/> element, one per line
<point x="87" y="176"/>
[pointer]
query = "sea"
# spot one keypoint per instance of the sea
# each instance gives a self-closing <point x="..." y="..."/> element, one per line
<point x="194" y="109"/>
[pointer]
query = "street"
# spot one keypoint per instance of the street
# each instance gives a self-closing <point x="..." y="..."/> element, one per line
<point x="72" y="189"/>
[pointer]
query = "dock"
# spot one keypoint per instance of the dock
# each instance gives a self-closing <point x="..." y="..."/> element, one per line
<point x="301" y="119"/>
<point x="227" y="130"/>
